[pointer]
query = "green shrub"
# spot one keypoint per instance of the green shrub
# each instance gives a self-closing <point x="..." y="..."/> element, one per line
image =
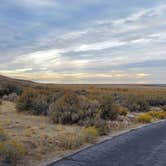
<point x="137" y="104"/>
<point x="33" y="102"/>
<point x="109" y="111"/>
<point x="90" y="134"/>
<point x="102" y="126"/>
<point x="11" y="152"/>
<point x="144" y="118"/>
<point x="71" y="108"/>
<point x="65" y="109"/>
<point x="10" y="88"/>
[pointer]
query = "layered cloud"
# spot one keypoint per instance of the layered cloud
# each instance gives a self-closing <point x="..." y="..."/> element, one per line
<point x="55" y="42"/>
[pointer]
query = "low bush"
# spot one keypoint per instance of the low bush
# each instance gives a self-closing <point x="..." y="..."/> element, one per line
<point x="90" y="134"/>
<point x="73" y="140"/>
<point x="157" y="114"/>
<point x="32" y="102"/>
<point x="109" y="111"/>
<point x="65" y="110"/>
<point x="10" y="88"/>
<point x="123" y="111"/>
<point x="11" y="152"/>
<point x="102" y="127"/>
<point x="144" y="118"/>
<point x="13" y="97"/>
<point x="71" y="108"/>
<point x="137" y="104"/>
<point x="163" y="108"/>
<point x="70" y="140"/>
<point x="157" y="101"/>
<point x="151" y="115"/>
<point x="3" y="135"/>
<point x="100" y="124"/>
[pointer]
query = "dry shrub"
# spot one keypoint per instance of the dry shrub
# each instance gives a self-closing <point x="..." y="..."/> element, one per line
<point x="71" y="109"/>
<point x="90" y="134"/>
<point x="151" y="115"/>
<point x="144" y="118"/>
<point x="157" y="114"/>
<point x="70" y="140"/>
<point x="13" y="97"/>
<point x="163" y="108"/>
<point x="136" y="103"/>
<point x="123" y="111"/>
<point x="109" y="110"/>
<point x="11" y="152"/>
<point x="73" y="140"/>
<point x="65" y="109"/>
<point x="101" y="125"/>
<point x="3" y="135"/>
<point x="33" y="102"/>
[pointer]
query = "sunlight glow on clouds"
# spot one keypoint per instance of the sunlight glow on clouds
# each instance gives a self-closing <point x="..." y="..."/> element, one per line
<point x="113" y="77"/>
<point x="142" y="75"/>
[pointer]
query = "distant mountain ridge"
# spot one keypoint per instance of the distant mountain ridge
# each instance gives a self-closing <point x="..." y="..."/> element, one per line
<point x="24" y="83"/>
<point x="28" y="83"/>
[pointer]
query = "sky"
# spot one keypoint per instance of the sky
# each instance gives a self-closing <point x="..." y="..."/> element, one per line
<point x="84" y="41"/>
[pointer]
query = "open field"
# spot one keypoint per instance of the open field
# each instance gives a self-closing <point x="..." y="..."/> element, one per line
<point x="41" y="122"/>
<point x="40" y="137"/>
<point x="36" y="133"/>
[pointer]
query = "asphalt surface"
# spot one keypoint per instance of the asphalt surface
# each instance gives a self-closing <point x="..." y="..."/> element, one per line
<point x="141" y="147"/>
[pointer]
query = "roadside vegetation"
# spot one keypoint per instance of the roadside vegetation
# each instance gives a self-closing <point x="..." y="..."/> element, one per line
<point x="152" y="116"/>
<point x="38" y="120"/>
<point x="10" y="150"/>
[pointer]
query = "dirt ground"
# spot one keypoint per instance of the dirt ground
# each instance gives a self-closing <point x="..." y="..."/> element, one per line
<point x="36" y="133"/>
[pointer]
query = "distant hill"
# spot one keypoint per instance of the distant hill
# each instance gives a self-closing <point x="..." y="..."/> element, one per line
<point x="24" y="83"/>
<point x="27" y="83"/>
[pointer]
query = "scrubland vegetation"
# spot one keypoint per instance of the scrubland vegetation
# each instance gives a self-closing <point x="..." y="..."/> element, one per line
<point x="151" y="116"/>
<point x="53" y="119"/>
<point x="10" y="150"/>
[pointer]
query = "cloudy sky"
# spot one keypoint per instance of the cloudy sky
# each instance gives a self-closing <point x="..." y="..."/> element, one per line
<point x="84" y="41"/>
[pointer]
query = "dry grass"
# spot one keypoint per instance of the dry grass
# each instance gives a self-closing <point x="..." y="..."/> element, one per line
<point x="144" y="118"/>
<point x="45" y="141"/>
<point x="151" y="116"/>
<point x="36" y="133"/>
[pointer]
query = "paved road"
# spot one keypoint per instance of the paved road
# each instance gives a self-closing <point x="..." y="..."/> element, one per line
<point x="140" y="147"/>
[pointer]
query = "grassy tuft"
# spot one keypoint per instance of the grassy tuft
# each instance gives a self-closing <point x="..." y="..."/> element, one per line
<point x="90" y="134"/>
<point x="144" y="118"/>
<point x="70" y="140"/>
<point x="157" y="114"/>
<point x="3" y="135"/>
<point x="11" y="152"/>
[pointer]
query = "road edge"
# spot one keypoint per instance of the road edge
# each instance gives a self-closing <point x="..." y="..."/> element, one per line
<point x="100" y="141"/>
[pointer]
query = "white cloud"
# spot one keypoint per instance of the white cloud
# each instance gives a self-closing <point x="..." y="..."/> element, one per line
<point x="105" y="45"/>
<point x="100" y="45"/>
<point x="42" y="58"/>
